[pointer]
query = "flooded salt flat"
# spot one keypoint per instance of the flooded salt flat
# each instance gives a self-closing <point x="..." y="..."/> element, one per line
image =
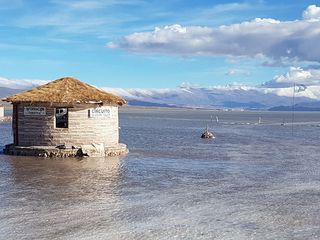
<point x="254" y="181"/>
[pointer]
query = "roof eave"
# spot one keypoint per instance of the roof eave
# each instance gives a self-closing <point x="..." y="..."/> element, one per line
<point x="119" y="103"/>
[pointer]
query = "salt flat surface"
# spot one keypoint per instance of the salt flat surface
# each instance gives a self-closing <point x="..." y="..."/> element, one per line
<point x="252" y="182"/>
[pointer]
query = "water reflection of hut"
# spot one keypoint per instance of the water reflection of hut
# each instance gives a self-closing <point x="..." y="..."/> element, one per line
<point x="46" y="185"/>
<point x="65" y="117"/>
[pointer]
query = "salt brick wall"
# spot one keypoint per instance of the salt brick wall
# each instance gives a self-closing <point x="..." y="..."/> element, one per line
<point x="41" y="131"/>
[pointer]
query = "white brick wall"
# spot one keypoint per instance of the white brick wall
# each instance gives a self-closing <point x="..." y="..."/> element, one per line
<point x="82" y="130"/>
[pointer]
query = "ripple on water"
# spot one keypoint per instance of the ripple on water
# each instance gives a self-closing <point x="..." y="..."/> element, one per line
<point x="252" y="182"/>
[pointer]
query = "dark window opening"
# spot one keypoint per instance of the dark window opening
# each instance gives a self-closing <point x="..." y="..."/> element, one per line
<point x="61" y="117"/>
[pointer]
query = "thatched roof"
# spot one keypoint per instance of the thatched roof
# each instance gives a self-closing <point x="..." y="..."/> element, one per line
<point x="66" y="90"/>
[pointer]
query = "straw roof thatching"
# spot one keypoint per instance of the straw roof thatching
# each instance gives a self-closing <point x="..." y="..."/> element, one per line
<point x="66" y="90"/>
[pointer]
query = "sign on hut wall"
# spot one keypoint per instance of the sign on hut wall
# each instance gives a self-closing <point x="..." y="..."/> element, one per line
<point x="34" y="111"/>
<point x="104" y="112"/>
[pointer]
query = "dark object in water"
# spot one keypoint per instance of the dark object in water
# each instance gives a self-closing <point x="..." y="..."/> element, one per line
<point x="62" y="146"/>
<point x="207" y="134"/>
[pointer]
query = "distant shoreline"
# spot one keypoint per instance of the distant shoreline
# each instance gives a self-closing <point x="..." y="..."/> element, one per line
<point x="186" y="108"/>
<point x="215" y="109"/>
<point x="8" y="107"/>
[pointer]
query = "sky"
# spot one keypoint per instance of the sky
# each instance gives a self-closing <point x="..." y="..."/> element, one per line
<point x="159" y="44"/>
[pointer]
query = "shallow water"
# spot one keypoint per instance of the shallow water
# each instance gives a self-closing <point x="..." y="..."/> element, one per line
<point x="254" y="181"/>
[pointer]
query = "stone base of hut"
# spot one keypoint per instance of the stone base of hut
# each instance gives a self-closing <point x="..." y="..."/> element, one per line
<point x="94" y="150"/>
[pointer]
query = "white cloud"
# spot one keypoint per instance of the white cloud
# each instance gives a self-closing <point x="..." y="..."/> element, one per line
<point x="94" y="4"/>
<point x="64" y="21"/>
<point x="21" y="83"/>
<point x="237" y="72"/>
<point x="227" y="7"/>
<point x="81" y="5"/>
<point x="312" y="13"/>
<point x="77" y="16"/>
<point x="269" y="38"/>
<point x="310" y="77"/>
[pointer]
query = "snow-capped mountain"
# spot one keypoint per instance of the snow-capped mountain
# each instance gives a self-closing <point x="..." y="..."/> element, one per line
<point x="231" y="96"/>
<point x="275" y="93"/>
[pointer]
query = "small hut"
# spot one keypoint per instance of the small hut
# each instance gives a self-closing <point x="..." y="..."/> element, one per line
<point x="1" y="111"/>
<point x="65" y="117"/>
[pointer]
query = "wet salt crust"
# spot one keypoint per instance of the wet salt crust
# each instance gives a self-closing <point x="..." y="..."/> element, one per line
<point x="254" y="181"/>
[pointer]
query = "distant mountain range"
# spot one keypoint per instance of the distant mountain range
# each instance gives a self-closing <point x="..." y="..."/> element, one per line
<point x="313" y="106"/>
<point x="4" y="92"/>
<point x="234" y="97"/>
<point x="227" y="97"/>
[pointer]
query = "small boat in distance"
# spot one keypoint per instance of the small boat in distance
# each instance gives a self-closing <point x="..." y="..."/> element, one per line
<point x="207" y="134"/>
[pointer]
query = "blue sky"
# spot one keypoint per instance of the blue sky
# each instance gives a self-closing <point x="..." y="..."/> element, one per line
<point x="95" y="42"/>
